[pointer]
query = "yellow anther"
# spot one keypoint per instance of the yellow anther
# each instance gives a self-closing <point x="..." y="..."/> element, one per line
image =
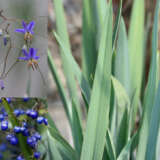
<point x="28" y="36"/>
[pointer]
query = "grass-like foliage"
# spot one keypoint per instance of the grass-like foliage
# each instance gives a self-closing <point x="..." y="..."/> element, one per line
<point x="113" y="85"/>
<point x="121" y="103"/>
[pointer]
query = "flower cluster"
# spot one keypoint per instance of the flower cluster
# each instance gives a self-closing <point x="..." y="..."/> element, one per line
<point x="26" y="119"/>
<point x="28" y="32"/>
<point x="29" y="52"/>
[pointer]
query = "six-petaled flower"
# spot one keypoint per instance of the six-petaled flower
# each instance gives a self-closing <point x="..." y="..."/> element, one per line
<point x="30" y="56"/>
<point x="27" y="30"/>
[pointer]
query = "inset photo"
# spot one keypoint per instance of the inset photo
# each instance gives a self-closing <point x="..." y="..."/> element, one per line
<point x="23" y="48"/>
<point x="24" y="129"/>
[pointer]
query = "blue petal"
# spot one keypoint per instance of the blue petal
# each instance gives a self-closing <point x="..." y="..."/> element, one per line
<point x="23" y="58"/>
<point x="35" y="52"/>
<point x="24" y="24"/>
<point x="32" y="32"/>
<point x="25" y="53"/>
<point x="5" y="41"/>
<point x="20" y="30"/>
<point x="30" y="26"/>
<point x="32" y="52"/>
<point x="36" y="57"/>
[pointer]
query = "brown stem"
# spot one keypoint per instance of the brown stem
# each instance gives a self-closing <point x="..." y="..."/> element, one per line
<point x="13" y="65"/>
<point x="37" y="66"/>
<point x="5" y="60"/>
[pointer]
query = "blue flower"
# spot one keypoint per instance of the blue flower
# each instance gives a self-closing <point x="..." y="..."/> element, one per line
<point x="31" y="55"/>
<point x="6" y="39"/>
<point x="27" y="28"/>
<point x="32" y="141"/>
<point x="37" y="155"/>
<point x="4" y="125"/>
<point x="17" y="129"/>
<point x="25" y="99"/>
<point x="1" y="117"/>
<point x="14" y="140"/>
<point x="20" y="158"/>
<point x="9" y="100"/>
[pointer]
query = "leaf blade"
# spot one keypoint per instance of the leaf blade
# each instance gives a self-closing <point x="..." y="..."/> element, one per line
<point x="94" y="139"/>
<point x="150" y="91"/>
<point x="70" y="78"/>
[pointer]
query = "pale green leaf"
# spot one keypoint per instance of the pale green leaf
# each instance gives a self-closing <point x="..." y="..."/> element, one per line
<point x="150" y="91"/>
<point x="98" y="114"/>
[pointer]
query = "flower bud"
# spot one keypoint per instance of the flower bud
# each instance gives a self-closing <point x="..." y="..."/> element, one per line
<point x="6" y="38"/>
